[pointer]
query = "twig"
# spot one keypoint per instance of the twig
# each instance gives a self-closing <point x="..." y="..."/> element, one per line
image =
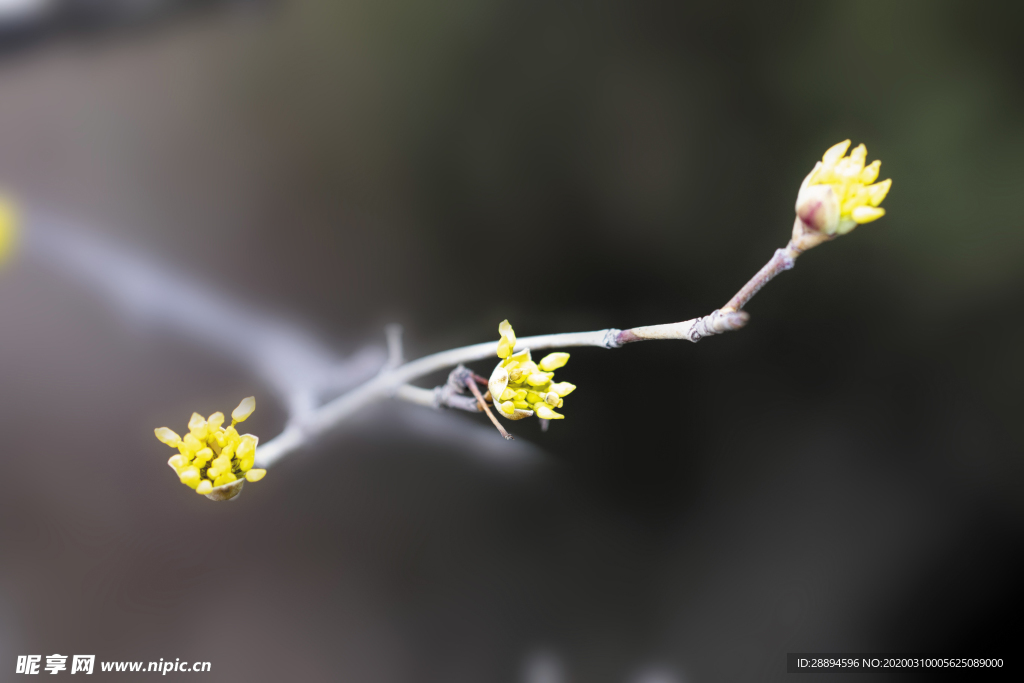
<point x="471" y="384"/>
<point x="387" y="383"/>
<point x="302" y="371"/>
<point x="783" y="260"/>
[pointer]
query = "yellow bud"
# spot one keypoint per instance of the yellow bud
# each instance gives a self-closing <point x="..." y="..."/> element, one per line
<point x="507" y="395"/>
<point x="244" y="409"/>
<point x="204" y="454"/>
<point x="515" y="376"/>
<point x="505" y="330"/>
<point x="854" y="164"/>
<point x="245" y="463"/>
<point x="544" y="411"/>
<point x="201" y="433"/>
<point x="255" y="475"/>
<point x="870" y="172"/>
<point x="561" y="402"/>
<point x="246" y="446"/>
<point x="213" y="472"/>
<point x="538" y="378"/>
<point x="167" y="436"/>
<point x="231" y="437"/>
<point x="563" y="388"/>
<point x="507" y="407"/>
<point x="878" y="191"/>
<point x="192" y="443"/>
<point x="505" y="346"/>
<point x="533" y="397"/>
<point x="190" y="477"/>
<point x="521" y="394"/>
<point x="197" y="423"/>
<point x="215" y="421"/>
<point x="204" y="487"/>
<point x="835" y="153"/>
<point x="508" y="339"/>
<point x="553" y="361"/>
<point x="177" y="462"/>
<point x="866" y="214"/>
<point x="225" y="478"/>
<point x="520" y="356"/>
<point x="521" y="405"/>
<point x="551" y="398"/>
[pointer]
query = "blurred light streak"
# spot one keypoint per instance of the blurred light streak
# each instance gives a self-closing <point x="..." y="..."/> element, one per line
<point x="300" y="369"/>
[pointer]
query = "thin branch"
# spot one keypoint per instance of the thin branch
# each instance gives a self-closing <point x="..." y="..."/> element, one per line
<point x="728" y="318"/>
<point x="781" y="261"/>
<point x="302" y="371"/>
<point x="471" y="385"/>
<point x="438" y="397"/>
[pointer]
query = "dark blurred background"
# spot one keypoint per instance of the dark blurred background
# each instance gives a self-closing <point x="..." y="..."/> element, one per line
<point x="844" y="475"/>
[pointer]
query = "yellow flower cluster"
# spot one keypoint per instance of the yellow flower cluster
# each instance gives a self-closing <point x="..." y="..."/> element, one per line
<point x="211" y="455"/>
<point x="521" y="388"/>
<point x="841" y="192"/>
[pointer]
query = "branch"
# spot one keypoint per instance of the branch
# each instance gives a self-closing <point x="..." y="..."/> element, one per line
<point x="394" y="382"/>
<point x="783" y="260"/>
<point x="298" y="367"/>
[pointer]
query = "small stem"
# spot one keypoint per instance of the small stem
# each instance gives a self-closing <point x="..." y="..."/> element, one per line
<point x="479" y="397"/>
<point x="782" y="260"/>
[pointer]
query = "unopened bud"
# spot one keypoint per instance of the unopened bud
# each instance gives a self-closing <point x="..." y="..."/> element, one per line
<point x="244" y="409"/>
<point x="167" y="436"/>
<point x="818" y="208"/>
<point x="553" y="361"/>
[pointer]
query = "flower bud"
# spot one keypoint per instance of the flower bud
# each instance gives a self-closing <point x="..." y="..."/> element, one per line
<point x="508" y="339"/>
<point x="539" y="378"/>
<point x="563" y="388"/>
<point x="244" y="409"/>
<point x="818" y="207"/>
<point x="837" y="196"/>
<point x="210" y="447"/>
<point x="197" y="425"/>
<point x="553" y="361"/>
<point x="246" y="446"/>
<point x="497" y="383"/>
<point x="167" y="436"/>
<point x="544" y="412"/>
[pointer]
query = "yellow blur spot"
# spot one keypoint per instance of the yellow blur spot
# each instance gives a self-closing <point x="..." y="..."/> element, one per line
<point x="8" y="227"/>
